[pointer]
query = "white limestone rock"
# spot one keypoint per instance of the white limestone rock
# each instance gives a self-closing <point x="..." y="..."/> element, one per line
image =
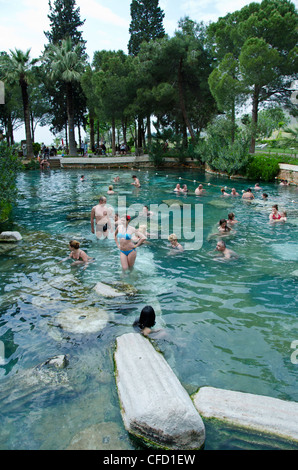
<point x="85" y="320"/>
<point x="35" y="382"/>
<point x="10" y="237"/>
<point x="255" y="412"/>
<point x="107" y="291"/>
<point x="154" y="405"/>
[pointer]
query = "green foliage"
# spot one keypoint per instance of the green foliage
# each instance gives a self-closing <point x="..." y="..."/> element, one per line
<point x="9" y="167"/>
<point x="156" y="153"/>
<point x="220" y="153"/>
<point x="36" y="148"/>
<point x="146" y="23"/>
<point x="263" y="168"/>
<point x="64" y="22"/>
<point x="32" y="165"/>
<point x="262" y="37"/>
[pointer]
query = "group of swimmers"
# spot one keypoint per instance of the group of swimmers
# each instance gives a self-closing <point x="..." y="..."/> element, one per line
<point x="128" y="238"/>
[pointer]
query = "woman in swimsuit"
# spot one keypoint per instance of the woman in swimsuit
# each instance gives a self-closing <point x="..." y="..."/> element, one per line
<point x="231" y="219"/>
<point x="274" y="214"/>
<point x="79" y="256"/>
<point x="223" y="226"/>
<point x="123" y="239"/>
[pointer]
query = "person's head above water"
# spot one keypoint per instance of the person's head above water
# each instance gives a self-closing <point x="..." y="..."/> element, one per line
<point x="146" y="319"/>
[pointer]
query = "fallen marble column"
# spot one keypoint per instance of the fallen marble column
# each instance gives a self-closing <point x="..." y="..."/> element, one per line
<point x="155" y="407"/>
<point x="245" y="410"/>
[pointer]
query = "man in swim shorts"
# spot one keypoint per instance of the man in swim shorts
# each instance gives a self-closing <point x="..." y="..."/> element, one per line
<point x="99" y="213"/>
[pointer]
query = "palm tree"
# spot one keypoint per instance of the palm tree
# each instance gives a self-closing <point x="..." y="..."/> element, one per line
<point x="17" y="69"/>
<point x="66" y="62"/>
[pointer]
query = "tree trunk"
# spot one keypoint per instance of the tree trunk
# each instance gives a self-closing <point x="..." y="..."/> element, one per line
<point x="113" y="137"/>
<point x="97" y="130"/>
<point x="182" y="102"/>
<point x="66" y="138"/>
<point x="10" y="138"/>
<point x="254" y="118"/>
<point x="80" y="138"/>
<point x="149" y="136"/>
<point x="32" y="125"/>
<point x="70" y="117"/>
<point x="233" y="122"/>
<point x="25" y="97"/>
<point x="124" y="130"/>
<point x="92" y="133"/>
<point x="140" y="140"/>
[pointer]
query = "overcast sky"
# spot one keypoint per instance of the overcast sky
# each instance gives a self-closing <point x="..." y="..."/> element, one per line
<point x="23" y="22"/>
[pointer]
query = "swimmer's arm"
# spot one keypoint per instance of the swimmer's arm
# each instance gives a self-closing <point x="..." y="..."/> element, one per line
<point x="115" y="236"/>
<point x="141" y="236"/>
<point x="65" y="259"/>
<point x="92" y="219"/>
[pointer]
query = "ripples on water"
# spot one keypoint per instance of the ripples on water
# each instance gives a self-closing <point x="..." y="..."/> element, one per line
<point x="230" y="324"/>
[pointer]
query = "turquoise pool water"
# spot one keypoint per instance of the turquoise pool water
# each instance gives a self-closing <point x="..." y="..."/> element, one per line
<point x="229" y="324"/>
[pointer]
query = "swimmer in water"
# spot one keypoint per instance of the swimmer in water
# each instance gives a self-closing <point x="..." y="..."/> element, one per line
<point x="146" y="212"/>
<point x="223" y="192"/>
<point x="178" y="188"/>
<point x="224" y="251"/>
<point x="275" y="215"/>
<point x="136" y="182"/>
<point x="79" y="256"/>
<point x="123" y="238"/>
<point x="110" y="190"/>
<point x="234" y="192"/>
<point x="248" y="194"/>
<point x="99" y="214"/>
<point x="174" y="242"/>
<point x="199" y="190"/>
<point x="223" y="226"/>
<point x="146" y="321"/>
<point x="184" y="189"/>
<point x="231" y="219"/>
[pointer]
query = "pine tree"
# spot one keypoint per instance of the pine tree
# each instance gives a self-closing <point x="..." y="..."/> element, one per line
<point x="146" y="23"/>
<point x="64" y="22"/>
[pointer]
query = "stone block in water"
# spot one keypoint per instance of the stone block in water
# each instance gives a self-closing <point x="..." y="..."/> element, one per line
<point x="245" y="410"/>
<point x="155" y="407"/>
<point x="83" y="320"/>
<point x="119" y="290"/>
<point x="10" y="237"/>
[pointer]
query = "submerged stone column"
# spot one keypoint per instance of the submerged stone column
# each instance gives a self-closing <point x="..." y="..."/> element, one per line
<point x="154" y="405"/>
